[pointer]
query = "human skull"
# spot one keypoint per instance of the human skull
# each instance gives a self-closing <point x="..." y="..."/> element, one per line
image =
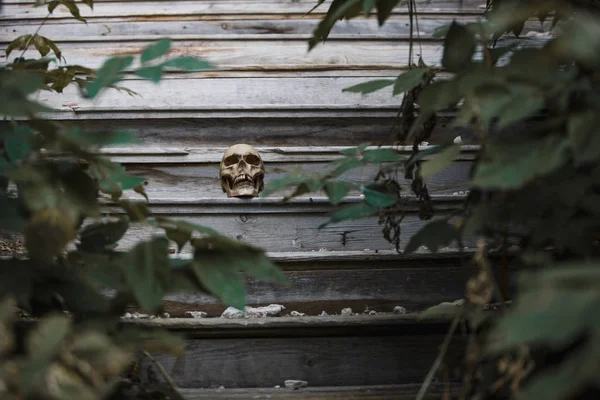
<point x="242" y="171"/>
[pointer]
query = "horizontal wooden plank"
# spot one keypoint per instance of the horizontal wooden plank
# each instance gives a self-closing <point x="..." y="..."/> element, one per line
<point x="321" y="361"/>
<point x="371" y="288"/>
<point x="270" y="55"/>
<point x="185" y="28"/>
<point x="212" y="8"/>
<point x="291" y="231"/>
<point x="372" y="392"/>
<point x="285" y="131"/>
<point x="200" y="182"/>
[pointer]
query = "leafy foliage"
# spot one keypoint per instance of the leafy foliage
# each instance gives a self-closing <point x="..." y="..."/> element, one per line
<point x="75" y="282"/>
<point x="534" y="190"/>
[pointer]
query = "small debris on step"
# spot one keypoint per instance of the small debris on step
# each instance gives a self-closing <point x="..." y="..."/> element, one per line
<point x="232" y="312"/>
<point x="277" y="387"/>
<point x="399" y="310"/>
<point x="347" y="311"/>
<point x="297" y="314"/>
<point x="272" y="310"/>
<point x="323" y="314"/>
<point x="457" y="140"/>
<point x="165" y="315"/>
<point x="127" y="315"/>
<point x="293" y="384"/>
<point x="372" y="312"/>
<point x="195" y="314"/>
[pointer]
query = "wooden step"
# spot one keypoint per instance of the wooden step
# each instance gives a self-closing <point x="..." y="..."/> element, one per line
<point x="324" y="351"/>
<point x="373" y="392"/>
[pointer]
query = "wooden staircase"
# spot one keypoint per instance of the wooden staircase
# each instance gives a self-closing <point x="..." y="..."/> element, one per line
<point x="270" y="93"/>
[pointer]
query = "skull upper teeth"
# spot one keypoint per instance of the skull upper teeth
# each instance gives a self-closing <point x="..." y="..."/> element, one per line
<point x="242" y="178"/>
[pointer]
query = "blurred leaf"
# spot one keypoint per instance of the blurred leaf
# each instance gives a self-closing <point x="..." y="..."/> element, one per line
<point x="447" y="309"/>
<point x="525" y="101"/>
<point x="155" y="50"/>
<point x="384" y="9"/>
<point x="181" y="231"/>
<point x="48" y="232"/>
<point x="102" y="138"/>
<point x="44" y="45"/>
<point x="18" y="143"/>
<point x="382" y="155"/>
<point x="97" y="236"/>
<point x="187" y="63"/>
<point x="409" y="80"/>
<point x="440" y="95"/>
<point x="554" y="305"/>
<point x="218" y="261"/>
<point x="434" y="235"/>
<point x="109" y="73"/>
<point x="367" y="7"/>
<point x="141" y="189"/>
<point x="377" y="195"/>
<point x="337" y="190"/>
<point x="10" y="219"/>
<point x="439" y="161"/>
<point x="19" y="43"/>
<point x="459" y="47"/>
<point x="338" y="10"/>
<point x="137" y="211"/>
<point x="355" y="151"/>
<point x="147" y="269"/>
<point x="509" y="165"/>
<point x="46" y="340"/>
<point x="370" y="86"/>
<point x="357" y="211"/>
<point x="153" y="73"/>
<point x="584" y="137"/>
<point x="80" y="190"/>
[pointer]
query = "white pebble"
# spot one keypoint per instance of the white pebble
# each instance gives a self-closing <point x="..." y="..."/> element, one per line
<point x="272" y="310"/>
<point x="347" y="311"/>
<point x="165" y="315"/>
<point x="293" y="384"/>
<point x="297" y="314"/>
<point x="372" y="312"/>
<point x="457" y="140"/>
<point x="323" y="314"/>
<point x="277" y="387"/>
<point x="399" y="310"/>
<point x="195" y="314"/>
<point x="232" y="312"/>
<point x="128" y="315"/>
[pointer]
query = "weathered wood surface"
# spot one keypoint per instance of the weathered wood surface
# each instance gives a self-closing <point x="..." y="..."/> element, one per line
<point x="373" y="392"/>
<point x="290" y="229"/>
<point x="298" y="8"/>
<point x="195" y="28"/>
<point x="384" y="356"/>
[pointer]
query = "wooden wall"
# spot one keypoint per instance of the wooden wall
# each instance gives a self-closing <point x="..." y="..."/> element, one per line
<point x="268" y="91"/>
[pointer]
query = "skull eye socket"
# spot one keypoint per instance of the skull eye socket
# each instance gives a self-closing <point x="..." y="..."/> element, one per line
<point x="253" y="160"/>
<point x="232" y="159"/>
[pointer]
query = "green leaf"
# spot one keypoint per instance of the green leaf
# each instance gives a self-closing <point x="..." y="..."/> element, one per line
<point x="98" y="236"/>
<point x="343" y="165"/>
<point x="439" y="95"/>
<point x="181" y="231"/>
<point x="370" y="86"/>
<point x="45" y="341"/>
<point x="153" y="73"/>
<point x="109" y="73"/>
<point x="439" y="161"/>
<point x="353" y="212"/>
<point x="459" y="47"/>
<point x="378" y="196"/>
<point x="147" y="269"/>
<point x="382" y="155"/>
<point x="19" y="43"/>
<point x="338" y="10"/>
<point x="446" y="309"/>
<point x="434" y="235"/>
<point x="409" y="80"/>
<point x="218" y="261"/>
<point x="525" y="101"/>
<point x="337" y="190"/>
<point x="188" y="64"/>
<point x="10" y="218"/>
<point x="384" y="9"/>
<point x="367" y="7"/>
<point x="137" y="211"/>
<point x="511" y="164"/>
<point x="355" y="151"/>
<point x="294" y="178"/>
<point x="584" y="137"/>
<point x="155" y="50"/>
<point x="18" y="143"/>
<point x="102" y="138"/>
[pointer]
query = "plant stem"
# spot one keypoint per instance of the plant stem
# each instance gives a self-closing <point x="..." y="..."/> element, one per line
<point x="162" y="370"/>
<point x="439" y="358"/>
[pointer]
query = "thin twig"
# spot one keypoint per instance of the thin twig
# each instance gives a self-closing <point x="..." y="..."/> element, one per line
<point x="482" y="261"/>
<point x="34" y="35"/>
<point x="439" y="358"/>
<point x="162" y="370"/>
